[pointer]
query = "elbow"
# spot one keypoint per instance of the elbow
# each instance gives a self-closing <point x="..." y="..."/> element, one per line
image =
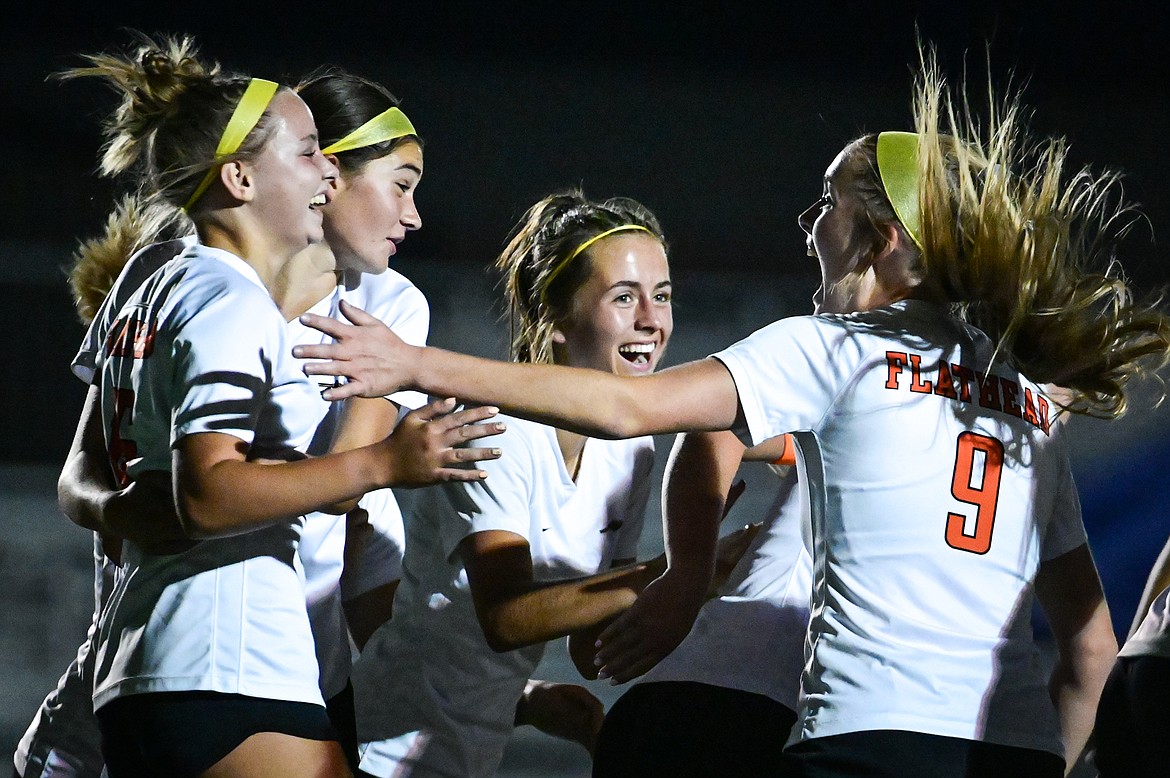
<point x="622" y="424"/>
<point x="74" y="506"/>
<point x="198" y="520"/>
<point x="500" y="631"/>
<point x="1102" y="653"/>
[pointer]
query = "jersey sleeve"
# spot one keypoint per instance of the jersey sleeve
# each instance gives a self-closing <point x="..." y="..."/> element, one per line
<point x="221" y="381"/>
<point x="137" y="269"/>
<point x="500" y="502"/>
<point x="788" y="374"/>
<point x="1066" y="529"/>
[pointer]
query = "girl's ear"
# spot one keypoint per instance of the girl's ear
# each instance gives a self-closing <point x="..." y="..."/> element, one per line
<point x="237" y="180"/>
<point x="558" y="337"/>
<point x="891" y="239"/>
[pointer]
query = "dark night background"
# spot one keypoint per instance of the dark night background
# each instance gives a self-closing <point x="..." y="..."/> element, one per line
<point x="720" y="116"/>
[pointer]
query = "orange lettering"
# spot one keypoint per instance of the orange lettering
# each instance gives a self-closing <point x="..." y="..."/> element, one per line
<point x="895" y="361"/>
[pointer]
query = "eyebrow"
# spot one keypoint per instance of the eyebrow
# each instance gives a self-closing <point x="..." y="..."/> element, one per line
<point x="410" y="166"/>
<point x="638" y="284"/>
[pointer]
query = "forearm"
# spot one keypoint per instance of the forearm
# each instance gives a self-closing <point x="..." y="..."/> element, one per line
<point x="548" y="610"/>
<point x="82" y="496"/>
<point x="1069" y="591"/>
<point x="698" y="476"/>
<point x="590" y="402"/>
<point x="233" y="496"/>
<point x="1077" y="681"/>
<point x="363" y="421"/>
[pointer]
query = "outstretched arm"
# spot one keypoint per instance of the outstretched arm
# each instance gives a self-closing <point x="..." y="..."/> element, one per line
<point x="1069" y="591"/>
<point x="697" y="395"/>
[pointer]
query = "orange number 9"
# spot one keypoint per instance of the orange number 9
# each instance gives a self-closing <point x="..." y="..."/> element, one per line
<point x="983" y="496"/>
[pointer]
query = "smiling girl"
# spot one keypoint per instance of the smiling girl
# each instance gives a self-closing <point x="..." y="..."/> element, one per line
<point x="484" y="576"/>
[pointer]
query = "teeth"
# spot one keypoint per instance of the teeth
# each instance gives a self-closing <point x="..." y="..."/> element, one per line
<point x="636" y="348"/>
<point x="318" y="200"/>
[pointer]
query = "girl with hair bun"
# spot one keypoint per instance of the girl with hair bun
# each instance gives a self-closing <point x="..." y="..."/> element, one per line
<point x="195" y="388"/>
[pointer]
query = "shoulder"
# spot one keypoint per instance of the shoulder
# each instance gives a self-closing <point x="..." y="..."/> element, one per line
<point x="218" y="289"/>
<point x="387" y="291"/>
<point x="522" y="432"/>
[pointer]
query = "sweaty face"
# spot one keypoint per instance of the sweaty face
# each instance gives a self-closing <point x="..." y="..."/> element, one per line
<point x="372" y="210"/>
<point x="621" y="316"/>
<point x="835" y="236"/>
<point x="291" y="175"/>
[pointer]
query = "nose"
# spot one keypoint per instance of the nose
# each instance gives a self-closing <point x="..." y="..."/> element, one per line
<point x="806" y="218"/>
<point x="650" y="314"/>
<point x="328" y="167"/>
<point x="410" y="217"/>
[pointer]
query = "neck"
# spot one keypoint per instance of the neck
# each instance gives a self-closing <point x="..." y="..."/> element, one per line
<point x="254" y="247"/>
<point x="305" y="279"/>
<point x="572" y="448"/>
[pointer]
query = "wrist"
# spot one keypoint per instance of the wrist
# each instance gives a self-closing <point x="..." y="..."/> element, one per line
<point x="418" y="369"/>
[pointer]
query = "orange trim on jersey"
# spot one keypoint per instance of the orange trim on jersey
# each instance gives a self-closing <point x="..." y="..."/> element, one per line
<point x="789" y="456"/>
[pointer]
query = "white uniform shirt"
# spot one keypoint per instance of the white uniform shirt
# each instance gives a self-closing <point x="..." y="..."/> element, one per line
<point x="925" y="548"/>
<point x="751" y="637"/>
<point x="432" y="697"/>
<point x="393" y="299"/>
<point x="1152" y="637"/>
<point x="201" y="347"/>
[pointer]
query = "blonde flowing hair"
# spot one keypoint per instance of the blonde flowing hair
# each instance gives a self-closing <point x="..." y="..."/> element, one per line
<point x="1025" y="251"/>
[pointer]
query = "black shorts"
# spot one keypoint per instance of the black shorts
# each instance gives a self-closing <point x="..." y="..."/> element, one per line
<point x="1132" y="735"/>
<point x="341" y="714"/>
<point x="682" y="728"/>
<point x="185" y="733"/>
<point x="886" y="753"/>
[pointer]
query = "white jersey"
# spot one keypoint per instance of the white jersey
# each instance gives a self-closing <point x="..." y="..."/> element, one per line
<point x="392" y="298"/>
<point x="936" y="490"/>
<point x="1152" y="637"/>
<point x="751" y="637"/>
<point x="202" y="347"/>
<point x="432" y="698"/>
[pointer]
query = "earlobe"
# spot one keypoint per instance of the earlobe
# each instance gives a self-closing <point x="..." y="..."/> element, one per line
<point x="558" y="337"/>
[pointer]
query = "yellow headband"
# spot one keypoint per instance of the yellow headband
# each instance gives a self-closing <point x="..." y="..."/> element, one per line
<point x="897" y="161"/>
<point x="556" y="271"/>
<point x="388" y="125"/>
<point x="248" y="112"/>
